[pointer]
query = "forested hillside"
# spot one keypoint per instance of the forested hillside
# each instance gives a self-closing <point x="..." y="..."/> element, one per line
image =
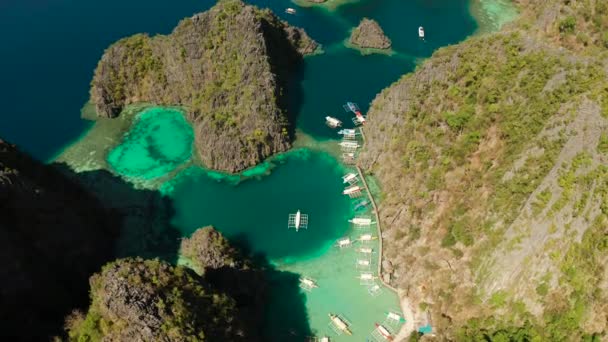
<point x="492" y="158"/>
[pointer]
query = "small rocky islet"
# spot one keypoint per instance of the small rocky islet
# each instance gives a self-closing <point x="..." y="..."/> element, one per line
<point x="228" y="69"/>
<point x="369" y="35"/>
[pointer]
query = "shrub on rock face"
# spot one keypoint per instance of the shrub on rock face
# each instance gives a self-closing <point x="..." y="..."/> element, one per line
<point x="150" y="300"/>
<point x="207" y="248"/>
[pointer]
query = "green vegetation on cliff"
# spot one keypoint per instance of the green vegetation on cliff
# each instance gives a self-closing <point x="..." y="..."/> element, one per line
<point x="491" y="157"/>
<point x="149" y="300"/>
<point x="228" y="67"/>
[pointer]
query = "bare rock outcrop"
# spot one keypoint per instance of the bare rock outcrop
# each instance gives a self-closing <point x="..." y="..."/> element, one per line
<point x="369" y="34"/>
<point x="228" y="68"/>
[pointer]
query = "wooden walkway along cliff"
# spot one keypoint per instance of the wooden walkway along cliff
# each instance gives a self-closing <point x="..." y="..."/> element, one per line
<point x="376" y="213"/>
<point x="407" y="328"/>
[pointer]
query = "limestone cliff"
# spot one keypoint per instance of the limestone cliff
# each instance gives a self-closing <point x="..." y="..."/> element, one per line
<point x="228" y="67"/>
<point x="492" y="160"/>
<point x="224" y="267"/>
<point x="150" y="300"/>
<point x="369" y="34"/>
<point x="53" y="236"/>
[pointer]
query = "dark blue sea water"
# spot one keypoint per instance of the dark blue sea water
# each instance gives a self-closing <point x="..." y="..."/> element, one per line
<point x="50" y="48"/>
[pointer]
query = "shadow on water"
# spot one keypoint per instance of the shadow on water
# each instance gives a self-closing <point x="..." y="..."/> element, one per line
<point x="272" y="295"/>
<point x="145" y="228"/>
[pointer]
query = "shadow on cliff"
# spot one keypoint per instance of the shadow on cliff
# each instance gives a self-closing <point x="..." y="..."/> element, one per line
<point x="288" y="64"/>
<point x="145" y="228"/>
<point x="53" y="236"/>
<point x="58" y="228"/>
<point x="273" y="296"/>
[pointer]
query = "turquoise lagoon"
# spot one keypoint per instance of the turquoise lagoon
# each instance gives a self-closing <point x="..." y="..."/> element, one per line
<point x="156" y="150"/>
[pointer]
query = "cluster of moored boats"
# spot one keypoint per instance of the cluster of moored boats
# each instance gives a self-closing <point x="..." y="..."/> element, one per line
<point x="349" y="145"/>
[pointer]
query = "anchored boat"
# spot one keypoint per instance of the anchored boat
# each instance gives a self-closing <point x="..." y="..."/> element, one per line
<point x="344" y="242"/>
<point x="395" y="317"/>
<point x="290" y="10"/>
<point x="307" y="283"/>
<point x="351" y="190"/>
<point x="421" y="32"/>
<point x="363" y="262"/>
<point x="297" y="221"/>
<point x="349" y="178"/>
<point x="384" y="332"/>
<point x="366" y="237"/>
<point x="340" y="324"/>
<point x="332" y="122"/>
<point x="361" y="221"/>
<point x="366" y="276"/>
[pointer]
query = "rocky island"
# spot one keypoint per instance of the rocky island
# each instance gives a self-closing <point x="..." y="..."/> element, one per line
<point x="368" y="35"/>
<point x="227" y="67"/>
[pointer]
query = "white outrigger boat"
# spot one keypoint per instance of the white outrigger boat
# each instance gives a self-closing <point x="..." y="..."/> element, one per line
<point x="351" y="190"/>
<point x="307" y="284"/>
<point x="366" y="250"/>
<point x="290" y="10"/>
<point x="366" y="276"/>
<point x="340" y="324"/>
<point x="384" y="332"/>
<point x="394" y="317"/>
<point x="344" y="242"/>
<point x="359" y="119"/>
<point x="332" y="122"/>
<point x="363" y="263"/>
<point x="297" y="221"/>
<point x="421" y="32"/>
<point x="349" y="178"/>
<point x="348" y="133"/>
<point x="324" y="339"/>
<point x="349" y="145"/>
<point x="366" y="237"/>
<point x="361" y="221"/>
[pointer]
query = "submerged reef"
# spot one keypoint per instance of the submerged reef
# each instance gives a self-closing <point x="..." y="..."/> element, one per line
<point x="227" y="67"/>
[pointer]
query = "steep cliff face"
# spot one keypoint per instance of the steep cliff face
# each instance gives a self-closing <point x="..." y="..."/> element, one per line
<point x="225" y="268"/>
<point x="53" y="236"/>
<point x="492" y="160"/>
<point x="228" y="67"/>
<point x="150" y="300"/>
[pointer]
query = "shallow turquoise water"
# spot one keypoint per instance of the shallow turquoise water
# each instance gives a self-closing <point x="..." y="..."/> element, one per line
<point x="256" y="210"/>
<point x="251" y="208"/>
<point x="159" y="141"/>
